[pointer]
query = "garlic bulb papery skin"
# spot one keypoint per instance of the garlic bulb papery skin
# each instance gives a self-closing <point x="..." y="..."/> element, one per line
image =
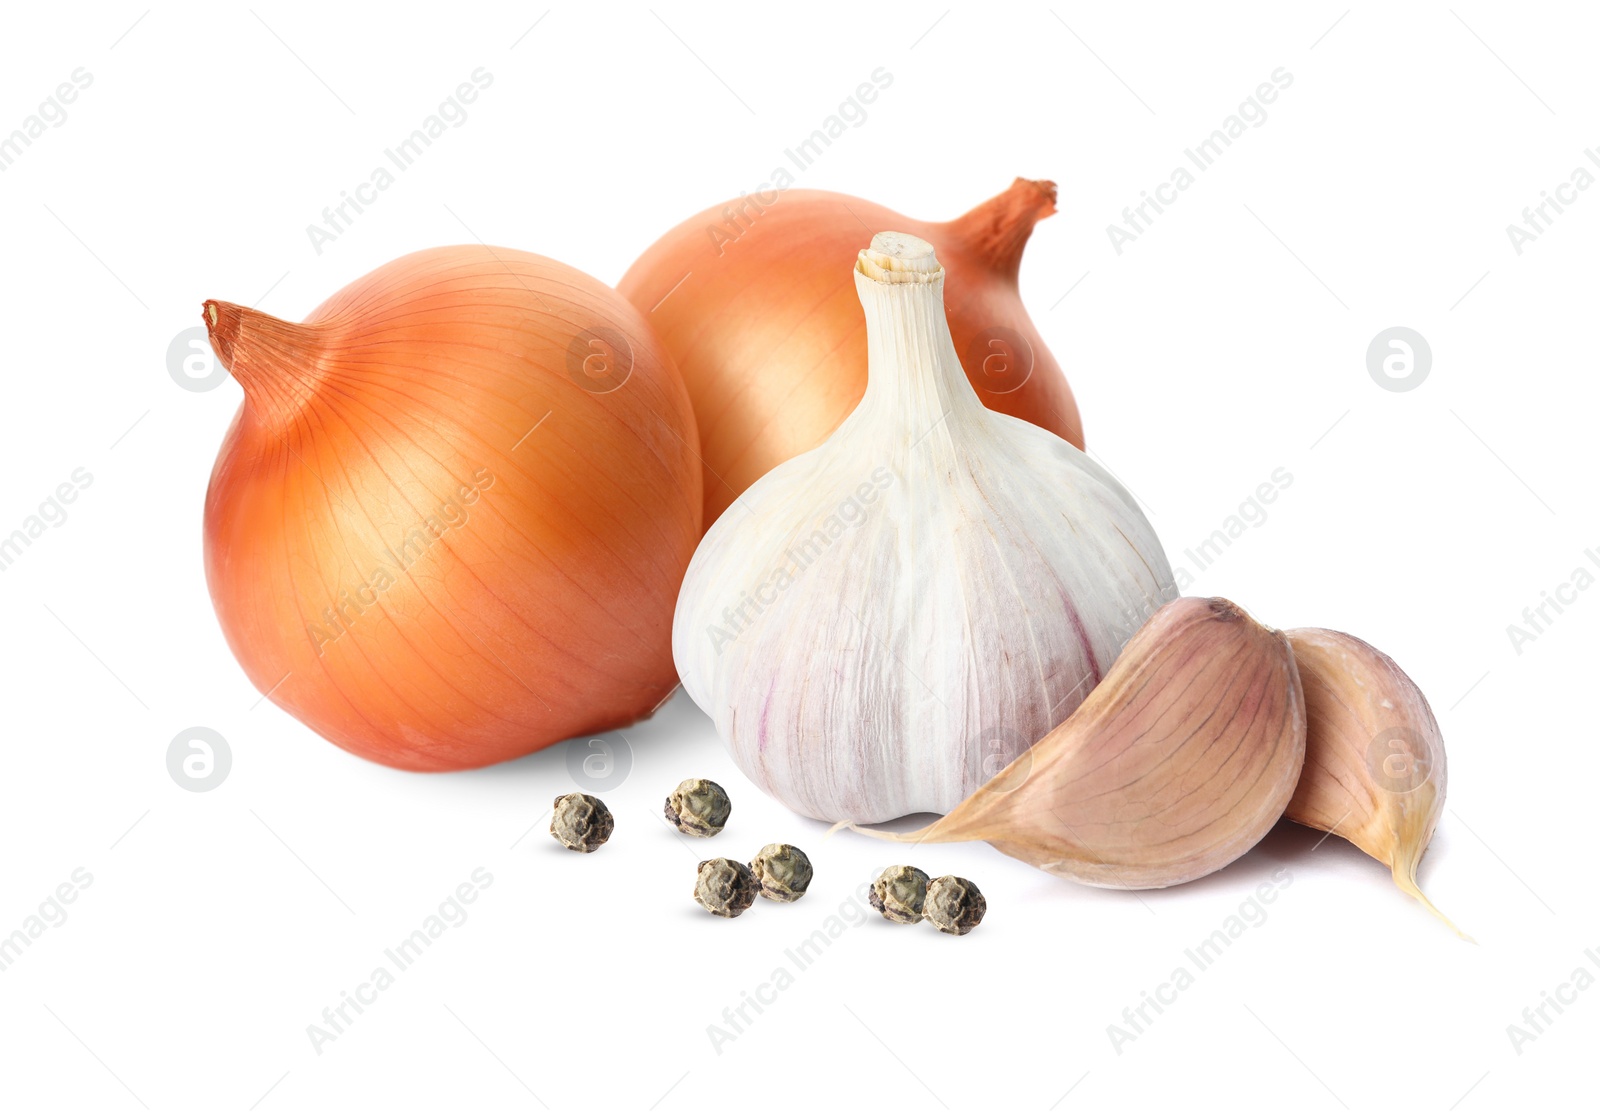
<point x="879" y="625"/>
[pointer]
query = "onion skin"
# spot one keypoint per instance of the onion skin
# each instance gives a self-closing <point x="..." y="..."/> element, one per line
<point x="537" y="610"/>
<point x="767" y="330"/>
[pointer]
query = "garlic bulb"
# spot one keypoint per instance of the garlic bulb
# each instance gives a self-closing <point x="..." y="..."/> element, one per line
<point x="879" y="625"/>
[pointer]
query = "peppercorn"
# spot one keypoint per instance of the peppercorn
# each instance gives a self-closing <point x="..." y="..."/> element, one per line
<point x="782" y="871"/>
<point x="898" y="894"/>
<point x="725" y="887"/>
<point x="954" y="905"/>
<point x="581" y="822"/>
<point x="698" y="807"/>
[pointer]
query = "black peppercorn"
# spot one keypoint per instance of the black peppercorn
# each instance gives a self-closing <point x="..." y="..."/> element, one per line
<point x="698" y="807"/>
<point x="898" y="894"/>
<point x="581" y="822"/>
<point x="954" y="905"/>
<point x="725" y="887"/>
<point x="782" y="871"/>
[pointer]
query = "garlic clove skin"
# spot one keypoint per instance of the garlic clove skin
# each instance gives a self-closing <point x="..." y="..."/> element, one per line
<point x="1178" y="764"/>
<point x="1183" y="763"/>
<point x="1375" y="770"/>
<point x="880" y="624"/>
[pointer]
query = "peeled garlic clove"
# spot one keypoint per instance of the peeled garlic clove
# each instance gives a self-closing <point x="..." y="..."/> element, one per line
<point x="879" y="624"/>
<point x="1375" y="768"/>
<point x="1177" y="764"/>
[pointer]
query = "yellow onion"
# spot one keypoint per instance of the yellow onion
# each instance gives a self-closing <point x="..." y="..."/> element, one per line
<point x="755" y="301"/>
<point x="448" y="524"/>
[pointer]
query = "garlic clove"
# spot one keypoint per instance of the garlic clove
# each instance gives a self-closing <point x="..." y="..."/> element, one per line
<point x="1177" y="764"/>
<point x="1375" y="765"/>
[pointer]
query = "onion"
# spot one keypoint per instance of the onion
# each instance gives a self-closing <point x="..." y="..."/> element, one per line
<point x="756" y="302"/>
<point x="448" y="524"/>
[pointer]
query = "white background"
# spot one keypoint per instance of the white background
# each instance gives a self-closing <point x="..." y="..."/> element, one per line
<point x="1227" y="341"/>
